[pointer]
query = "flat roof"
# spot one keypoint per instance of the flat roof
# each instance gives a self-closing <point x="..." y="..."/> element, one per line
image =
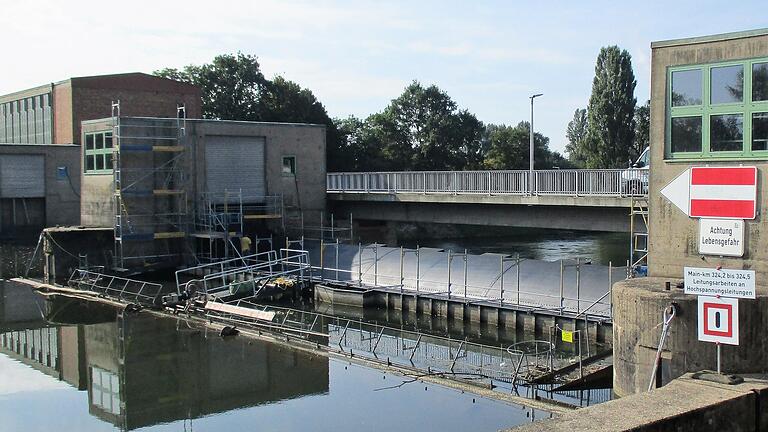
<point x="245" y="122"/>
<point x="710" y="38"/>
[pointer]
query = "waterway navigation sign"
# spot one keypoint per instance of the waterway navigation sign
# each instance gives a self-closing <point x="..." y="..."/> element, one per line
<point x="722" y="282"/>
<point x="715" y="192"/>
<point x="718" y="320"/>
<point x="722" y="237"/>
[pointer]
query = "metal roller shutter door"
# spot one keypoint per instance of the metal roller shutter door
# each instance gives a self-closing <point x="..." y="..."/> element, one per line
<point x="233" y="163"/>
<point x="22" y="176"/>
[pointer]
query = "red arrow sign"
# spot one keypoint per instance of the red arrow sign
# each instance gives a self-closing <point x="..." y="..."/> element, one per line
<point x="715" y="192"/>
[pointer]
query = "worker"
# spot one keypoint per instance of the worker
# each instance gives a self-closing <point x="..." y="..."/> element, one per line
<point x="245" y="245"/>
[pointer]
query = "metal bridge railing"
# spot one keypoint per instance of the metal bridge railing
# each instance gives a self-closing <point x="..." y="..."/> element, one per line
<point x="574" y="182"/>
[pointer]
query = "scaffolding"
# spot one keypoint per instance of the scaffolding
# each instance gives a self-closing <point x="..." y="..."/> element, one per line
<point x="150" y="199"/>
<point x="329" y="228"/>
<point x="220" y="218"/>
<point x="638" y="250"/>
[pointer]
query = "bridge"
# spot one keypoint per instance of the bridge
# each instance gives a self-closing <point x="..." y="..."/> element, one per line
<point x="583" y="199"/>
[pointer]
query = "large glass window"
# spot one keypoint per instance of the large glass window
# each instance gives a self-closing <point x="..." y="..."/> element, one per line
<point x="760" y="81"/>
<point x="760" y="131"/>
<point x="727" y="84"/>
<point x="718" y="110"/>
<point x="726" y="132"/>
<point x="98" y="152"/>
<point x="686" y="87"/>
<point x="686" y="134"/>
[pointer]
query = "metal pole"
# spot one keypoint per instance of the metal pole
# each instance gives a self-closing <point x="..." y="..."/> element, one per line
<point x="465" y="275"/>
<point x="359" y="264"/>
<point x="531" y="133"/>
<point x="337" y="259"/>
<point x="610" y="289"/>
<point x="351" y="230"/>
<point x="518" y="278"/>
<point x="449" y="273"/>
<point x="501" y="280"/>
<point x="718" y="358"/>
<point x="322" y="265"/>
<point x="418" y="264"/>
<point x="375" y="264"/>
<point x="401" y="269"/>
<point x="578" y="285"/>
<point x="562" y="272"/>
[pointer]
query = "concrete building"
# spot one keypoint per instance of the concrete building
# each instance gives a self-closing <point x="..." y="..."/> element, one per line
<point x="709" y="107"/>
<point x="39" y="186"/>
<point x="39" y="181"/>
<point x="169" y="186"/>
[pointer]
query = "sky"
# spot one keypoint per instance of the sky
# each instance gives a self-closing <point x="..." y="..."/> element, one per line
<point x="356" y="56"/>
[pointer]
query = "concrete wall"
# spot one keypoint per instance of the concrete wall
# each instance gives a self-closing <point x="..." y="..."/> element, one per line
<point x="62" y="200"/>
<point x="609" y="218"/>
<point x="305" y="190"/>
<point x="673" y="239"/>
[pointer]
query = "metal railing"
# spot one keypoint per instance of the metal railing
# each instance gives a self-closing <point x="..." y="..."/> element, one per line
<point x="130" y="290"/>
<point x="572" y="182"/>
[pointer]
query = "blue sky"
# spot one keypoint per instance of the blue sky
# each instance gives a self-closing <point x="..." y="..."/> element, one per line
<point x="358" y="55"/>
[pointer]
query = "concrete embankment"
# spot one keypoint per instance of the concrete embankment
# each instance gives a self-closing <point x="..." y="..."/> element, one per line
<point x="686" y="404"/>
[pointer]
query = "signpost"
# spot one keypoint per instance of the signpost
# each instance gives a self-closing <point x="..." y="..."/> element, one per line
<point x="722" y="198"/>
<point x="722" y="237"/>
<point x="715" y="192"/>
<point x="722" y="282"/>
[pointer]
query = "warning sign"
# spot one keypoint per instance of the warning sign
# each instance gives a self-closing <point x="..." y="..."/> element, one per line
<point x="723" y="282"/>
<point x="567" y="336"/>
<point x="719" y="320"/>
<point x="721" y="237"/>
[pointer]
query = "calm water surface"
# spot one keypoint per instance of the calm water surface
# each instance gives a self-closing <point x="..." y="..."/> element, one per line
<point x="135" y="371"/>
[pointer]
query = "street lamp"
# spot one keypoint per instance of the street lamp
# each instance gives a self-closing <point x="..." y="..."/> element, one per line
<point x="530" y="170"/>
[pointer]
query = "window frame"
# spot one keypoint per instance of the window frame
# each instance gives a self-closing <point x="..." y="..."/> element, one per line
<point x="706" y="110"/>
<point x="105" y="153"/>
<point x="282" y="165"/>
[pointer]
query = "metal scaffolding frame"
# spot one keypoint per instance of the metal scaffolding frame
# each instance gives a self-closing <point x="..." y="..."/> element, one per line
<point x="638" y="248"/>
<point x="150" y="200"/>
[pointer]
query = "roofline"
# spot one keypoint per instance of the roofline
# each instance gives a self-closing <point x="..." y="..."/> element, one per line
<point x="30" y="92"/>
<point x="2" y="144"/>
<point x="710" y="38"/>
<point x="246" y="122"/>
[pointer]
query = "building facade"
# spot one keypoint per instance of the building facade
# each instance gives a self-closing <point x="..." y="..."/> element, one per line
<point x="52" y="113"/>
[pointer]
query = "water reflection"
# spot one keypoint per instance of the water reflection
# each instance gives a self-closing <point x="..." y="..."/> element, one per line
<point x="137" y="370"/>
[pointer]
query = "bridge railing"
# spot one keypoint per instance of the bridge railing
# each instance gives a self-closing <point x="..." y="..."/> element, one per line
<point x="576" y="182"/>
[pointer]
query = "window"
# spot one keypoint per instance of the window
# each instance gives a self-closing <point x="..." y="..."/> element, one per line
<point x="718" y="110"/>
<point x="98" y="153"/>
<point x="289" y="165"/>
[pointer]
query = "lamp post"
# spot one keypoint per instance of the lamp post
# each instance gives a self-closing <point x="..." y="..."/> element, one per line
<point x="530" y="170"/>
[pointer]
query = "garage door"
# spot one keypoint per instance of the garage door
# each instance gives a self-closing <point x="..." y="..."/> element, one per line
<point x="22" y="176"/>
<point x="234" y="163"/>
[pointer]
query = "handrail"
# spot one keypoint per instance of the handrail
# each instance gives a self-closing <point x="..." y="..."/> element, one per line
<point x="570" y="182"/>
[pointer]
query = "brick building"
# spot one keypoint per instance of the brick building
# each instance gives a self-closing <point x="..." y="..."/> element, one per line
<point x="52" y="113"/>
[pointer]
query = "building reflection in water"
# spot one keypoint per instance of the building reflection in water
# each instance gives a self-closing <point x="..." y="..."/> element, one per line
<point x="140" y="370"/>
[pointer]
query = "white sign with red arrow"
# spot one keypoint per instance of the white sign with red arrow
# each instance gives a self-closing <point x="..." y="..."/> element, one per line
<point x="715" y="192"/>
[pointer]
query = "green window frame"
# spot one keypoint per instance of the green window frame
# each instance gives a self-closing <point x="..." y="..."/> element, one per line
<point x="718" y="119"/>
<point x="98" y="152"/>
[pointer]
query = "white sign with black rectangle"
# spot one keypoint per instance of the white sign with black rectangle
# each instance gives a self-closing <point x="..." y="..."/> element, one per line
<point x="723" y="282"/>
<point x="722" y="237"/>
<point x="718" y="320"/>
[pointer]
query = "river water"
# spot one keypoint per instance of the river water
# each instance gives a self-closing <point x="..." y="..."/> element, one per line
<point x="136" y="371"/>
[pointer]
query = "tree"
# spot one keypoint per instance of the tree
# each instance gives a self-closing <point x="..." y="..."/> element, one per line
<point x="577" y="135"/>
<point x="509" y="148"/>
<point x="642" y="128"/>
<point x="231" y="86"/>
<point x="424" y="129"/>
<point x="611" y="111"/>
<point x="234" y="88"/>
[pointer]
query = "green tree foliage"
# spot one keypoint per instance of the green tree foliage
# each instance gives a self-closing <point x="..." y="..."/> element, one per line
<point x="509" y="148"/>
<point x="577" y="135"/>
<point x="422" y="129"/>
<point x="611" y="111"/>
<point x="642" y="127"/>
<point x="234" y="88"/>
